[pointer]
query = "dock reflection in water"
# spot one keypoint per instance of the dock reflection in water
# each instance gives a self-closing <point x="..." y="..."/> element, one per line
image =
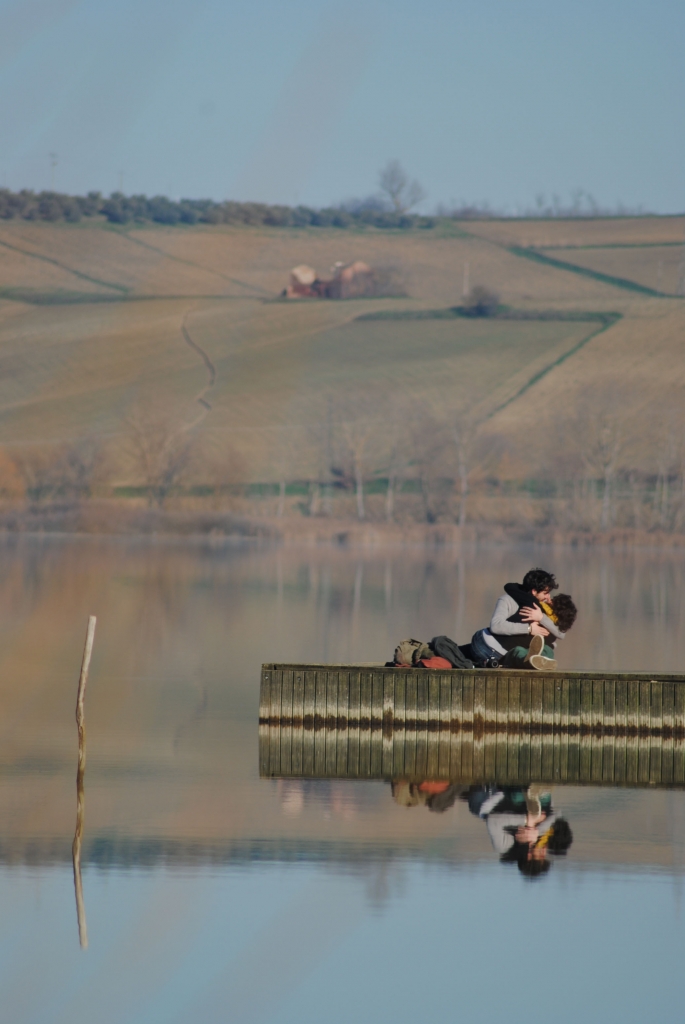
<point x="499" y="725"/>
<point x="498" y="740"/>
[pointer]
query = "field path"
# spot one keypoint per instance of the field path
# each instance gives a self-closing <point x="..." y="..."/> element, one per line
<point x="211" y="372"/>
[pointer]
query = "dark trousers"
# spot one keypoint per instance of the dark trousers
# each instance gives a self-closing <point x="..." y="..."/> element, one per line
<point x="482" y="651"/>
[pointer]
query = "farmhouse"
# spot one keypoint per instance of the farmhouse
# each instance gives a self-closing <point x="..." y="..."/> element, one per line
<point x="348" y="281"/>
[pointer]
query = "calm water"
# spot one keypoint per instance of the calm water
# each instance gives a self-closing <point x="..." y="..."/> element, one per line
<point x="213" y="895"/>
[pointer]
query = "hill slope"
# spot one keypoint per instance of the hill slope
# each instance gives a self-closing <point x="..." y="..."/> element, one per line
<point x="93" y="319"/>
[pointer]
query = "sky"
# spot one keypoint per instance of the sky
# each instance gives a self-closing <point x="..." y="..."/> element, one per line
<point x="304" y="102"/>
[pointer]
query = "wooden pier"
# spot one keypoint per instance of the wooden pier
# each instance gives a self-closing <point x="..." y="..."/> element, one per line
<point x="503" y="726"/>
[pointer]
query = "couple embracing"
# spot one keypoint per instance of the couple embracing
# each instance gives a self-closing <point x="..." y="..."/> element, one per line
<point x="525" y="626"/>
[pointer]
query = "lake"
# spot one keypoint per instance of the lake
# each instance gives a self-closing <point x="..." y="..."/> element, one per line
<point x="214" y="895"/>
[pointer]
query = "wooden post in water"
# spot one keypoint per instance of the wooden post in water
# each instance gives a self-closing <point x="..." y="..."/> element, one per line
<point x="80" y="799"/>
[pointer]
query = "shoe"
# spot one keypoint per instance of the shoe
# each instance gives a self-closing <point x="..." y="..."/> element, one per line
<point x="541" y="663"/>
<point x="533" y="806"/>
<point x="536" y="645"/>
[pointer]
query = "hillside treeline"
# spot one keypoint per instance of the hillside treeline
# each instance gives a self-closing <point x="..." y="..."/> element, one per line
<point x="121" y="209"/>
<point x="594" y="472"/>
<point x="375" y="211"/>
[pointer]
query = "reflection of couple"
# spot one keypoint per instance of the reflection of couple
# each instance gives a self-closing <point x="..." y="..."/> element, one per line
<point x="525" y="625"/>
<point x="522" y="825"/>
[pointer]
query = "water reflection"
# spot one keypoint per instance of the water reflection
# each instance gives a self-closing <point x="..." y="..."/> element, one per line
<point x="196" y="871"/>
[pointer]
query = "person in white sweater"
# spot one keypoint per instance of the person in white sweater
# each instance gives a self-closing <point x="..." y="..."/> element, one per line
<point x="522" y="824"/>
<point x="525" y="625"/>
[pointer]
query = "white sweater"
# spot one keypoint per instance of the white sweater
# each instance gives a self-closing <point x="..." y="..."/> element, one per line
<point x="505" y="607"/>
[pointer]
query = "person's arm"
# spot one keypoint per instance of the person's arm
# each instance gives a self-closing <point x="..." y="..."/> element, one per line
<point x="490" y="804"/>
<point x="536" y="614"/>
<point x="500" y="830"/>
<point x="505" y="607"/>
<point x="552" y="627"/>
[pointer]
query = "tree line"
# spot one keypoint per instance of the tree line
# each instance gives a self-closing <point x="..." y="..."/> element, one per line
<point x="121" y="209"/>
<point x="595" y="470"/>
<point x="390" y="208"/>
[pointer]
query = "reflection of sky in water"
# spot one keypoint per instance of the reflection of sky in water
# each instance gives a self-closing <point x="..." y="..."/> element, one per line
<point x="291" y="943"/>
<point x="284" y="900"/>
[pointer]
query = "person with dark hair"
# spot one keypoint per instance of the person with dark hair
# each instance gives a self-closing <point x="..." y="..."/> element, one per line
<point x="564" y="611"/>
<point x="525" y="625"/>
<point x="522" y="825"/>
<point x="540" y="580"/>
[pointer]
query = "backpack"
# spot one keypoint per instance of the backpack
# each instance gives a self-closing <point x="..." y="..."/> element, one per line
<point x="410" y="652"/>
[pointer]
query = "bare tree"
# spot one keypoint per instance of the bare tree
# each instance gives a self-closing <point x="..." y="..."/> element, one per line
<point x="161" y="452"/>
<point x="287" y="460"/>
<point x="356" y="442"/>
<point x="669" y="459"/>
<point x="37" y="468"/>
<point x="604" y="449"/>
<point x="218" y="465"/>
<point x="464" y="431"/>
<point x="431" y="457"/>
<point x="395" y="184"/>
<point x="358" y="434"/>
<point x="61" y="471"/>
<point x="396" y="451"/>
<point x="82" y="465"/>
<point x="602" y="431"/>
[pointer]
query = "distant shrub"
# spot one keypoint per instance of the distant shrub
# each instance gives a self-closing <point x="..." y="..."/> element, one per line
<point x="480" y="301"/>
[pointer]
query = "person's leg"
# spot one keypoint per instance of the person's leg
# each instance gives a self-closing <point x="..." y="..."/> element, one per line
<point x="482" y="651"/>
<point x="477" y="798"/>
<point x="515" y="658"/>
<point x="520" y="657"/>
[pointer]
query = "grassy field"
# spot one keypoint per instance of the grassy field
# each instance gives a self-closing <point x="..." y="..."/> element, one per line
<point x="255" y="262"/>
<point x="72" y="368"/>
<point x="543" y="234"/>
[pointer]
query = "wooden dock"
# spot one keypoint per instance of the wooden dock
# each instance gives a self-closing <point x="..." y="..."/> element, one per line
<point x="503" y="726"/>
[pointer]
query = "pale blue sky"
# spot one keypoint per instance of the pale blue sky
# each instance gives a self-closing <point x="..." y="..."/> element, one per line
<point x="303" y="101"/>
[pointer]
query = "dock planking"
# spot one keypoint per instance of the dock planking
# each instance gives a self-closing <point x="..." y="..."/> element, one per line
<point x="362" y="721"/>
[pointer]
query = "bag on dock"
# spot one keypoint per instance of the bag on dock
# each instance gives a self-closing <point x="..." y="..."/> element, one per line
<point x="435" y="662"/>
<point x="443" y="647"/>
<point x="441" y="652"/>
<point x="410" y="652"/>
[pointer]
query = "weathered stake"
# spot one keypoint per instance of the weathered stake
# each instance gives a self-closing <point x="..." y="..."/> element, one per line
<point x="80" y="798"/>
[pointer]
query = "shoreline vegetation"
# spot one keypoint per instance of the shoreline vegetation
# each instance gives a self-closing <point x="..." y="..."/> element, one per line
<point x="102" y="518"/>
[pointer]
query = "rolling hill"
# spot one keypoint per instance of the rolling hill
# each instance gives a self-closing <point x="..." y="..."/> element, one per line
<point x="96" y="322"/>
